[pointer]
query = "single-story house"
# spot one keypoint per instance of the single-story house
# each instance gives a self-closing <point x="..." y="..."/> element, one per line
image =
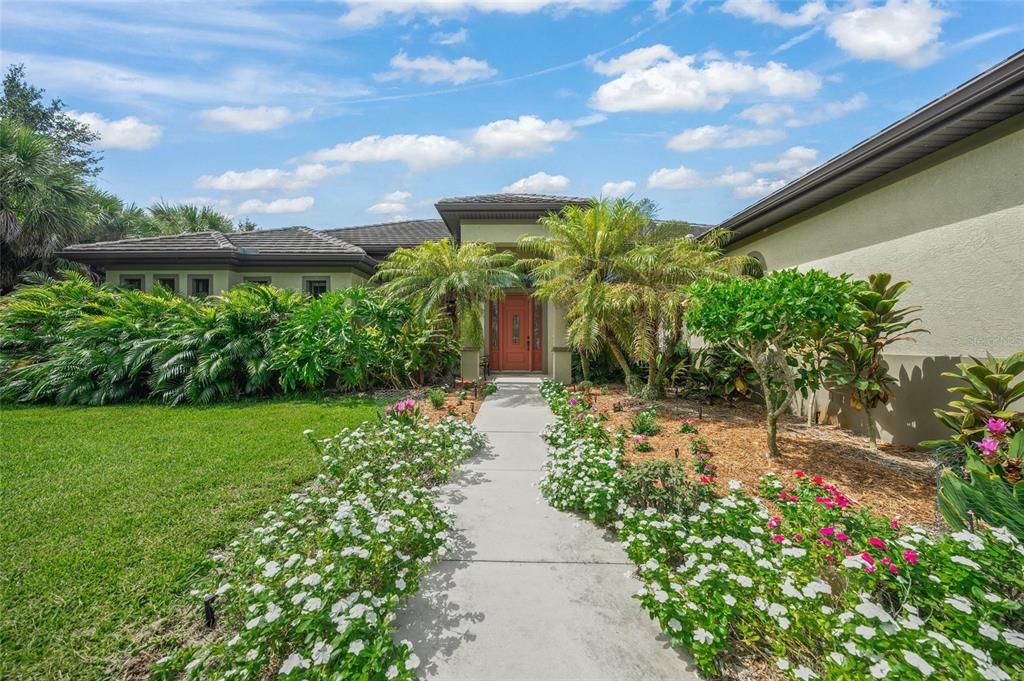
<point x="936" y="198"/>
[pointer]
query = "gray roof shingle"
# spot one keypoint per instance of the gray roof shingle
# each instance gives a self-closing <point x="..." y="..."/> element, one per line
<point x="519" y="199"/>
<point x="387" y="236"/>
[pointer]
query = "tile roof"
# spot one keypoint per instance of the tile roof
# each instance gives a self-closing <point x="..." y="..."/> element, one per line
<point x="192" y="241"/>
<point x="284" y="241"/>
<point x="502" y="199"/>
<point x="387" y="236"/>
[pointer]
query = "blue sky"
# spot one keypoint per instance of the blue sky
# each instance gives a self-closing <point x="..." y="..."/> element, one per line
<point x="344" y="113"/>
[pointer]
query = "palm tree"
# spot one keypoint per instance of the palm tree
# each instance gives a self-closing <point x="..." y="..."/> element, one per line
<point x="42" y="202"/>
<point x="650" y="292"/>
<point x="577" y="264"/>
<point x="187" y="217"/>
<point x="458" y="280"/>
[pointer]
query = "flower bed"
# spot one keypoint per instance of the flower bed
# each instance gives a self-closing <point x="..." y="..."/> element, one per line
<point x="815" y="587"/>
<point x="313" y="589"/>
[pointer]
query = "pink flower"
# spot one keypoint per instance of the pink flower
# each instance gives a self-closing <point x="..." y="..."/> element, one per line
<point x="895" y="523"/>
<point x="573" y="401"/>
<point x="877" y="543"/>
<point x="997" y="427"/>
<point x="826" y="531"/>
<point x="387" y="410"/>
<point x="910" y="556"/>
<point x="869" y="568"/>
<point x="867" y="557"/>
<point x="893" y="569"/>
<point x="798" y="537"/>
<point x="774" y="521"/>
<point x="989" y="445"/>
<point x="798" y="474"/>
<point x="826" y="542"/>
<point x="841" y="537"/>
<point x="778" y="538"/>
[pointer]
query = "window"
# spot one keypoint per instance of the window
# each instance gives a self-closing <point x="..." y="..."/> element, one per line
<point x="256" y="280"/>
<point x="538" y="310"/>
<point x="515" y="329"/>
<point x="169" y="283"/>
<point x="131" y="281"/>
<point x="200" y="286"/>
<point x="315" y="287"/>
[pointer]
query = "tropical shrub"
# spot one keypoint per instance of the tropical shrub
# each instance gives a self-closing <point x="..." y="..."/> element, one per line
<point x="796" y="575"/>
<point x="489" y="389"/>
<point x="713" y="372"/>
<point x="70" y="342"/>
<point x="311" y="592"/>
<point x="855" y="363"/>
<point x="767" y="322"/>
<point x="993" y="492"/>
<point x="645" y="422"/>
<point x="437" y="397"/>
<point x="641" y="443"/>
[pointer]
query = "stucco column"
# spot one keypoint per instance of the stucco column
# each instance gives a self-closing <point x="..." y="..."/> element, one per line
<point x="469" y="367"/>
<point x="559" y="353"/>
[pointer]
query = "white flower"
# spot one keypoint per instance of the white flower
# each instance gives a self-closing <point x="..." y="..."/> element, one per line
<point x="915" y="660"/>
<point x="965" y="561"/>
<point x="804" y="673"/>
<point x="271" y="568"/>
<point x="660" y="596"/>
<point x="988" y="631"/>
<point x="837" y="657"/>
<point x="784" y="623"/>
<point x="252" y="655"/>
<point x="703" y="636"/>
<point x="794" y="551"/>
<point x="1014" y="638"/>
<point x="782" y="663"/>
<point x="294" y="661"/>
<point x="253" y="623"/>
<point x="674" y="625"/>
<point x="972" y="540"/>
<point x="993" y="673"/>
<point x="826" y="610"/>
<point x="880" y="670"/>
<point x="413" y="662"/>
<point x="392" y="672"/>
<point x="776" y="609"/>
<point x="735" y="484"/>
<point x="865" y="631"/>
<point x="744" y="581"/>
<point x="729" y="599"/>
<point x="322" y="652"/>
<point x="356" y="647"/>
<point x="312" y="579"/>
<point x="961" y="604"/>
<point x="817" y="587"/>
<point x="1003" y="535"/>
<point x="873" y="611"/>
<point x="312" y="604"/>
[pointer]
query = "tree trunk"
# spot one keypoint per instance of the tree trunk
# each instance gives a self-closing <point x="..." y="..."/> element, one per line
<point x="812" y="403"/>
<point x="655" y="388"/>
<point x="773" y="444"/>
<point x="632" y="385"/>
<point x="871" y="426"/>
<point x="585" y="365"/>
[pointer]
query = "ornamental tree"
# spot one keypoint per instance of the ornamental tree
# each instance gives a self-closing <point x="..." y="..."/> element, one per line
<point x="771" y="323"/>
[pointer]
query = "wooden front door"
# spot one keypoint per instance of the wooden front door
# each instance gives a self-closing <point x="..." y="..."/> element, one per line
<point x="515" y="333"/>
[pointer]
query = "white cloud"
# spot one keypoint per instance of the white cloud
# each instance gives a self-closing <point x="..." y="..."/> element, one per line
<point x="252" y="119"/>
<point x="615" y="189"/>
<point x="767" y="11"/>
<point x="270" y="178"/>
<point x="123" y="133"/>
<point x="538" y="183"/>
<point x="766" y="114"/>
<point x="759" y="187"/>
<point x="657" y="79"/>
<point x="660" y="8"/>
<point x="674" y="178"/>
<point x="904" y="32"/>
<point x="299" y="204"/>
<point x="222" y="206"/>
<point x="591" y="119"/>
<point x="419" y="152"/>
<point x="455" y="38"/>
<point x="393" y="203"/>
<point x="797" y="39"/>
<point x="436" y="69"/>
<point x="521" y="137"/>
<point x="723" y="137"/>
<point x="366" y="13"/>
<point x="793" y="161"/>
<point x="828" y="111"/>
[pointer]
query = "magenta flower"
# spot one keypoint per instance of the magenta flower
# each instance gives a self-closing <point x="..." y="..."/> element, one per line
<point x="997" y="427"/>
<point x="877" y="543"/>
<point x="774" y="521"/>
<point x="573" y="401"/>
<point x="867" y="557"/>
<point x="989" y="445"/>
<point x="910" y="556"/>
<point x="826" y="531"/>
<point x="778" y="538"/>
<point x="841" y="537"/>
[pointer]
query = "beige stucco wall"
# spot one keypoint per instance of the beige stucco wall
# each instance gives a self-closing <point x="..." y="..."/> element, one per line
<point x="952" y="224"/>
<point x="225" y="278"/>
<point x="501" y="233"/>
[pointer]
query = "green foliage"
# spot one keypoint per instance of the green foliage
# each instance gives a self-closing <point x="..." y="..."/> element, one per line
<point x="456" y="280"/>
<point x="987" y="388"/>
<point x="187" y="217"/>
<point x="437" y="397"/>
<point x="714" y="372"/>
<point x="72" y="139"/>
<point x="489" y="389"/>
<point x="770" y="322"/>
<point x="645" y="422"/>
<point x="70" y="342"/>
<point x="618" y="272"/>
<point x="661" y="485"/>
<point x="855" y="364"/>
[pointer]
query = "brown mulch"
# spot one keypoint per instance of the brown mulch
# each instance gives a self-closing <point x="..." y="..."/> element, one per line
<point x="892" y="481"/>
<point x="465" y="409"/>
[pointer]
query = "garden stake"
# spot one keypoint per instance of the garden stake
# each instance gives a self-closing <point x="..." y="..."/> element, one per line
<point x="211" y="619"/>
<point x="677" y="452"/>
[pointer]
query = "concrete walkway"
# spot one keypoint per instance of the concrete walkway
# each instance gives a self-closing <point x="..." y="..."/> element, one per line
<point x="529" y="592"/>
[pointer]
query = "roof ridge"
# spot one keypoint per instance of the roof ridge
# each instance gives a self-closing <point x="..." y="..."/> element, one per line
<point x="221" y="240"/>
<point x="153" y="237"/>
<point x="319" y="234"/>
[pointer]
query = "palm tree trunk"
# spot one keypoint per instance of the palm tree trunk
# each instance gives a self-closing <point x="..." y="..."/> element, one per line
<point x="632" y="385"/>
<point x="585" y="365"/>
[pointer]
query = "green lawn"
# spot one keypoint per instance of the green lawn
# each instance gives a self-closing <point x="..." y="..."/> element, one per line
<point x="107" y="515"/>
